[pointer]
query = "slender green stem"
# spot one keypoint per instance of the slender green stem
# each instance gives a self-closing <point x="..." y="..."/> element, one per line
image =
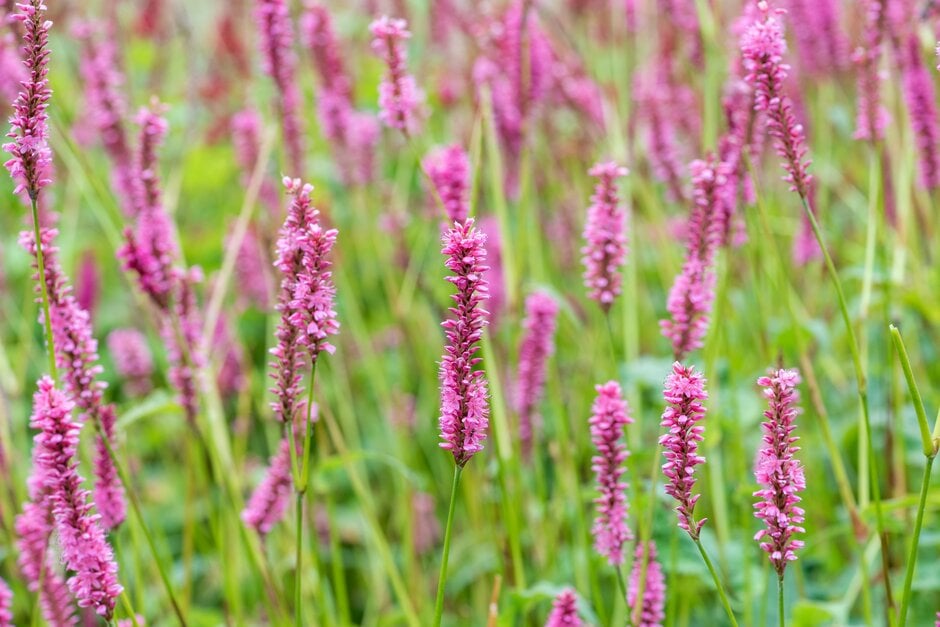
<point x="442" y="579"/>
<point x="718" y="584"/>
<point x="923" y="425"/>
<point x="298" y="579"/>
<point x="46" y="312"/>
<point x="912" y="556"/>
<point x="783" y="621"/>
<point x="863" y="400"/>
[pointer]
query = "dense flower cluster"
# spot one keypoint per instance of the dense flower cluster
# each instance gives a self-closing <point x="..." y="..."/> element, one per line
<point x="684" y="392"/>
<point x="605" y="247"/>
<point x="652" y="611"/>
<point x="778" y="472"/>
<point x="564" y="610"/>
<point x="609" y="416"/>
<point x="762" y="48"/>
<point x="30" y="156"/>
<point x="465" y="408"/>
<point x="538" y="343"/>
<point x="85" y="550"/>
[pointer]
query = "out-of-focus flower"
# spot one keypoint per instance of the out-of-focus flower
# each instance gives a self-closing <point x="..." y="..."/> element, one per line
<point x="920" y="96"/>
<point x="652" y="612"/>
<point x="400" y="98"/>
<point x="132" y="359"/>
<point x="871" y="116"/>
<point x="449" y="171"/>
<point x="538" y="343"/>
<point x="609" y="417"/>
<point x="6" y="605"/>
<point x="564" y="610"/>
<point x="425" y="530"/>
<point x="88" y="283"/>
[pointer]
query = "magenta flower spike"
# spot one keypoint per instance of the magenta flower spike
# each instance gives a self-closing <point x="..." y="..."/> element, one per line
<point x="684" y="392"/>
<point x="400" y="98"/>
<point x="693" y="292"/>
<point x="269" y="501"/>
<point x="609" y="417"/>
<point x="920" y="97"/>
<point x="34" y="531"/>
<point x="538" y="344"/>
<point x="279" y="61"/>
<point x="305" y="300"/>
<point x="762" y="49"/>
<point x="77" y="359"/>
<point x="465" y="408"/>
<point x="564" y="610"/>
<point x="820" y="45"/>
<point x="6" y="605"/>
<point x="605" y="247"/>
<point x="654" y="94"/>
<point x="30" y="156"/>
<point x="317" y="35"/>
<point x="449" y="170"/>
<point x="12" y="71"/>
<point x="778" y="471"/>
<point x="132" y="359"/>
<point x="106" y="109"/>
<point x="871" y="116"/>
<point x="652" y="611"/>
<point x="85" y="550"/>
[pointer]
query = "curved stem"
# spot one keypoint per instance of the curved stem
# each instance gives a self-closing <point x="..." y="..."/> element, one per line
<point x="912" y="557"/>
<point x="721" y="589"/>
<point x="442" y="579"/>
<point x="46" y="312"/>
<point x="863" y="400"/>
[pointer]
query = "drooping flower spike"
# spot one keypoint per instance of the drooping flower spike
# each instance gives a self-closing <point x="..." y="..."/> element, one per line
<point x="778" y="471"/>
<point x="464" y="416"/>
<point x="684" y="392"/>
<point x="609" y="416"/>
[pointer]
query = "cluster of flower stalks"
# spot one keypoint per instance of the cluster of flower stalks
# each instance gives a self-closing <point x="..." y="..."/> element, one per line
<point x="590" y="170"/>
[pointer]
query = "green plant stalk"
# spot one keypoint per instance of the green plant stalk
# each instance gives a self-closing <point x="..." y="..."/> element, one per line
<point x="46" y="311"/>
<point x="721" y="589"/>
<point x="863" y="400"/>
<point x="912" y="556"/>
<point x="301" y="472"/>
<point x="783" y="621"/>
<point x="442" y="578"/>
<point x="930" y="449"/>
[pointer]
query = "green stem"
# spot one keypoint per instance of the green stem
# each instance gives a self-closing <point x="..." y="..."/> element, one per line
<point x="781" y="618"/>
<point x="912" y="557"/>
<point x="41" y="267"/>
<point x="298" y="579"/>
<point x="863" y="400"/>
<point x="718" y="584"/>
<point x="442" y="579"/>
<point x="923" y="425"/>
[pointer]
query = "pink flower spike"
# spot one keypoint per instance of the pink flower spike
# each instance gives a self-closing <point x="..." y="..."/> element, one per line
<point x="871" y="116"/>
<point x="31" y="157"/>
<point x="6" y="605"/>
<point x="684" y="392"/>
<point x="605" y="248"/>
<point x="34" y="529"/>
<point x="449" y="171"/>
<point x="465" y="408"/>
<point x="400" y="98"/>
<point x="762" y="49"/>
<point x="610" y="415"/>
<point x="652" y="612"/>
<point x="920" y="97"/>
<point x="538" y="343"/>
<point x="85" y="550"/>
<point x="564" y="610"/>
<point x="269" y="501"/>
<point x="778" y="472"/>
<point x="279" y="61"/>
